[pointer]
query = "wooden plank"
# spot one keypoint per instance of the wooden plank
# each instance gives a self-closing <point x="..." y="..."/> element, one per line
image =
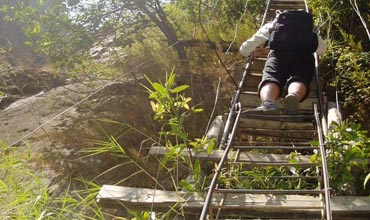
<point x="244" y="156"/>
<point x="258" y="65"/>
<point x="137" y="198"/>
<point x="271" y="124"/>
<point x="253" y="158"/>
<point x="283" y="134"/>
<point x="270" y="143"/>
<point x="292" y="2"/>
<point x="202" y="155"/>
<point x="283" y="7"/>
<point x="262" y="204"/>
<point x="261" y="52"/>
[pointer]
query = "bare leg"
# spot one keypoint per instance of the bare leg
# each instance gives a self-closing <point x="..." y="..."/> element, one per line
<point x="296" y="93"/>
<point x="297" y="88"/>
<point x="270" y="91"/>
<point x="268" y="94"/>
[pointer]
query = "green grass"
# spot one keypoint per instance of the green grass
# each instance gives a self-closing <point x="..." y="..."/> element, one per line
<point x="24" y="193"/>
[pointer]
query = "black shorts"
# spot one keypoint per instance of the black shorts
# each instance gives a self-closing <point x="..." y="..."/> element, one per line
<point x="284" y="68"/>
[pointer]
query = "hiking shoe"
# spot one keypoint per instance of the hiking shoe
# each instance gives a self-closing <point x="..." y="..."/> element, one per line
<point x="267" y="107"/>
<point x="291" y="104"/>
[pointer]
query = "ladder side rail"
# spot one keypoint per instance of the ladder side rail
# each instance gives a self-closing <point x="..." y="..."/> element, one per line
<point x="319" y="96"/>
<point x="268" y="4"/>
<point x="235" y="100"/>
<point x="325" y="172"/>
<point x="203" y="215"/>
<point x="235" y="104"/>
<point x="306" y="5"/>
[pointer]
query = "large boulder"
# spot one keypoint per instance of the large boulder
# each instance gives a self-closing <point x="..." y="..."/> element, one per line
<point x="60" y="124"/>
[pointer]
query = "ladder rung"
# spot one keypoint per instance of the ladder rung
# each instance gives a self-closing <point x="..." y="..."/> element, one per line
<point x="293" y="118"/>
<point x="262" y="164"/>
<point x="285" y="177"/>
<point x="256" y="143"/>
<point x="275" y="147"/>
<point x="267" y="191"/>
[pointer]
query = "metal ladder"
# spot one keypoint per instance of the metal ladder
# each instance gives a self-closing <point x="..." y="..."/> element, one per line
<point x="265" y="141"/>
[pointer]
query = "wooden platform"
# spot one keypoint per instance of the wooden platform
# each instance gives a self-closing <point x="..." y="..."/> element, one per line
<point x="344" y="208"/>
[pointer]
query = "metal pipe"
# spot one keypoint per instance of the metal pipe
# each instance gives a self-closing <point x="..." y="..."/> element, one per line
<point x="271" y="191"/>
<point x="235" y="100"/>
<point x="212" y="186"/>
<point x="268" y="3"/>
<point x="324" y="166"/>
<point x="319" y="96"/>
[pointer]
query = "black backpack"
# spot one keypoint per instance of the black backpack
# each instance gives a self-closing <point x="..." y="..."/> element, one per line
<point x="294" y="32"/>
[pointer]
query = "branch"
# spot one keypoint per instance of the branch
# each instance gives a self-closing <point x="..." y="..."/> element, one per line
<point x="357" y="10"/>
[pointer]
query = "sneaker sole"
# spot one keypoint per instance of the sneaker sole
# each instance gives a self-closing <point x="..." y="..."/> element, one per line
<point x="263" y="111"/>
<point x="291" y="104"/>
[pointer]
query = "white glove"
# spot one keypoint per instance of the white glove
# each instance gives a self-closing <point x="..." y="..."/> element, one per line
<point x="251" y="44"/>
<point x="245" y="49"/>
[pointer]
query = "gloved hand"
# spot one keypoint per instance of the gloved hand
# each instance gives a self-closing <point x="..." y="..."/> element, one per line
<point x="245" y="49"/>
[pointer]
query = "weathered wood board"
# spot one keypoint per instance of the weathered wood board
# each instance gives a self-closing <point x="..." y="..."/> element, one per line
<point x="243" y="156"/>
<point x="343" y="207"/>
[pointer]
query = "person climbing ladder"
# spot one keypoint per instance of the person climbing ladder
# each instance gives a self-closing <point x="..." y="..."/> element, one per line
<point x="290" y="64"/>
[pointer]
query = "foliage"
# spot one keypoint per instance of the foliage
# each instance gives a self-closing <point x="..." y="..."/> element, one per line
<point x="353" y="69"/>
<point x="172" y="109"/>
<point x="65" y="31"/>
<point x="338" y="18"/>
<point x="51" y="32"/>
<point x="220" y="18"/>
<point x="348" y="151"/>
<point x="346" y="62"/>
<point x="24" y="193"/>
<point x="270" y="177"/>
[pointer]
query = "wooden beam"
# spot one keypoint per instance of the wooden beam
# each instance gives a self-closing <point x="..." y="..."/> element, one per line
<point x="272" y="124"/>
<point x="215" y="155"/>
<point x="343" y="207"/>
<point x="239" y="157"/>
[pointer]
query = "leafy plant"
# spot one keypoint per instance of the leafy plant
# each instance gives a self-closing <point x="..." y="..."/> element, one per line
<point x="172" y="108"/>
<point x="354" y="86"/>
<point x="270" y="177"/>
<point x="348" y="151"/>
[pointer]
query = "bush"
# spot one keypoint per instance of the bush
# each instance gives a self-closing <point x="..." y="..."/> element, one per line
<point x="348" y="153"/>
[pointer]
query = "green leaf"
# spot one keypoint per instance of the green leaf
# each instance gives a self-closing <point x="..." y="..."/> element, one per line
<point x="197" y="169"/>
<point x="3" y="186"/>
<point x="184" y="184"/>
<point x="315" y="143"/>
<point x="179" y="89"/>
<point x="211" y="146"/>
<point x="4" y="9"/>
<point x="313" y="158"/>
<point x="159" y="88"/>
<point x="171" y="80"/>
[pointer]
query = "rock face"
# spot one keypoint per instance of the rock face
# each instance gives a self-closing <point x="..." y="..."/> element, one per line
<point x="59" y="124"/>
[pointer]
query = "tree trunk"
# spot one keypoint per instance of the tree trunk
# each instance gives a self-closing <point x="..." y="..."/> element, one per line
<point x="160" y="19"/>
